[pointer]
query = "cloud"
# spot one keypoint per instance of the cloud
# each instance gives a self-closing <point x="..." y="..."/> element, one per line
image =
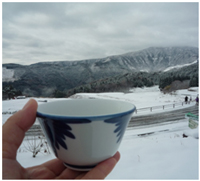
<point x="34" y="32"/>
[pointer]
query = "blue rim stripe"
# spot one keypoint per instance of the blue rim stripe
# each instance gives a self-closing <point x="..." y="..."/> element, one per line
<point x="79" y="166"/>
<point x="92" y="118"/>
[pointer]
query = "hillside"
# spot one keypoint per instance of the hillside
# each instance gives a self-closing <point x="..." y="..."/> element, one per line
<point x="179" y="78"/>
<point x="45" y="78"/>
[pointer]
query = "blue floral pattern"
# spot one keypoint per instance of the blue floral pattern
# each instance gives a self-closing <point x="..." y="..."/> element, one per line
<point x="120" y="123"/>
<point x="57" y="131"/>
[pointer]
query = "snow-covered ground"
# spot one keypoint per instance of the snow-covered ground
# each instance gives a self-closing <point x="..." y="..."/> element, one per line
<point x="164" y="154"/>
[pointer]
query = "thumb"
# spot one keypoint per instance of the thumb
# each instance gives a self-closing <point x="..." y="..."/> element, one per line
<point x="15" y="127"/>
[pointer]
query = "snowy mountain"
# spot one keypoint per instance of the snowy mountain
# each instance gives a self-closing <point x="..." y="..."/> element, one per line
<point x="158" y="58"/>
<point x="45" y="77"/>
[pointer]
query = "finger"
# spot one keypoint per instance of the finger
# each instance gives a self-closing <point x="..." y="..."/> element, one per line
<point x="70" y="174"/>
<point x="15" y="127"/>
<point x="51" y="168"/>
<point x="29" y="115"/>
<point x="103" y="168"/>
<point x="55" y="166"/>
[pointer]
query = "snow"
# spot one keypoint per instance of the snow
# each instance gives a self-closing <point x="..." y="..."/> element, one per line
<point x="180" y="66"/>
<point x="162" y="154"/>
<point x="7" y="75"/>
<point x="146" y="97"/>
<point x="106" y="60"/>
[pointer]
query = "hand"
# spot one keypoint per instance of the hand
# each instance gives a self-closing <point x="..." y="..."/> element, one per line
<point x="13" y="133"/>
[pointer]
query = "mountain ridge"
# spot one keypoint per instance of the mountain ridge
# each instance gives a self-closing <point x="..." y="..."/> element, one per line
<point x="36" y="78"/>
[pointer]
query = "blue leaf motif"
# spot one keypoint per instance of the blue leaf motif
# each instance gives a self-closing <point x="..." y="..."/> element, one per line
<point x="121" y="123"/>
<point x="57" y="131"/>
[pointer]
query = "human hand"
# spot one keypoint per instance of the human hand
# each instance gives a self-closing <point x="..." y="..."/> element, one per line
<point x="13" y="133"/>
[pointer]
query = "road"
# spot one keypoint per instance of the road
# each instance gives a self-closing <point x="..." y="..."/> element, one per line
<point x="137" y="121"/>
<point x="164" y="117"/>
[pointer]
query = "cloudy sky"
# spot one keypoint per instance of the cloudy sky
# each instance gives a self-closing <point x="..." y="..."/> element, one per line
<point x="35" y="32"/>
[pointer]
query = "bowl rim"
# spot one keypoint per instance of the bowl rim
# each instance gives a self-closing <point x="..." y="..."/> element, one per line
<point x="91" y="118"/>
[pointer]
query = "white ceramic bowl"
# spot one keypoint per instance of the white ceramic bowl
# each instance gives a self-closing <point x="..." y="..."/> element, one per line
<point x="84" y="132"/>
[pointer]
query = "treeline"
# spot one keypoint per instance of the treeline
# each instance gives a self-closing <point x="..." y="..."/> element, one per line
<point x="186" y="73"/>
<point x="126" y="81"/>
<point x="118" y="83"/>
<point x="9" y="92"/>
<point x="140" y="79"/>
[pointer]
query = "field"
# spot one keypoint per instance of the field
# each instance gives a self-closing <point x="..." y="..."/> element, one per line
<point x="162" y="155"/>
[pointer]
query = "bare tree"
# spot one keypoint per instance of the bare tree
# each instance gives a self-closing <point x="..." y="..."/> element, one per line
<point x="36" y="144"/>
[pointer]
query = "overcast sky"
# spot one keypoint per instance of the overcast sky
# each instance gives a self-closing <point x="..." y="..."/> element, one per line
<point x="38" y="32"/>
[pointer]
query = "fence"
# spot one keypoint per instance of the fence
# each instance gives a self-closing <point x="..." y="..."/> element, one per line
<point x="167" y="106"/>
<point x="35" y="130"/>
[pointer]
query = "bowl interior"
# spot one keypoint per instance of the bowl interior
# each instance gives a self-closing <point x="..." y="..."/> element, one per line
<point x="85" y="107"/>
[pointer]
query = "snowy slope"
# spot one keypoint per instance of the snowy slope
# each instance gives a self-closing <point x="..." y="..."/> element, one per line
<point x="179" y="66"/>
<point x="7" y="75"/>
